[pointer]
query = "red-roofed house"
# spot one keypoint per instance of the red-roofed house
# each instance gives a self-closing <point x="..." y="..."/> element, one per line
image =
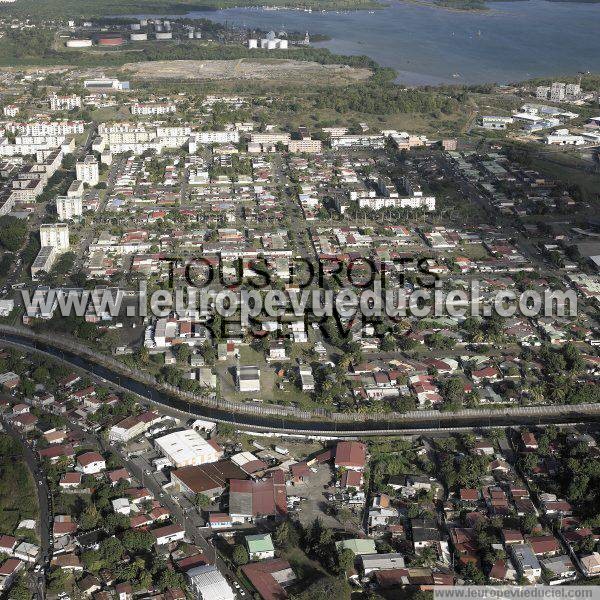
<point x="351" y="455"/>
<point x="7" y="544"/>
<point x="352" y="479"/>
<point x="70" y="480"/>
<point x="90" y="463"/>
<point x="119" y="475"/>
<point x="270" y="577"/>
<point x="9" y="571"/>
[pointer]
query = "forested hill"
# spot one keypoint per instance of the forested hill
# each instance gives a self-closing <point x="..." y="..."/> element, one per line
<point x="75" y="8"/>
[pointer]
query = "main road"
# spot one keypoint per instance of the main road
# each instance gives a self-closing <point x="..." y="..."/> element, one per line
<point x="262" y="419"/>
<point x="45" y="508"/>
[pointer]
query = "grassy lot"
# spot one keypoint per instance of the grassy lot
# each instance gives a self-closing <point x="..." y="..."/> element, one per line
<point x="18" y="498"/>
<point x="571" y="170"/>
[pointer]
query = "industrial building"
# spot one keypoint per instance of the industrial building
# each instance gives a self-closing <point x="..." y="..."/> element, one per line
<point x="188" y="448"/>
<point x="208" y="583"/>
<point x="248" y="379"/>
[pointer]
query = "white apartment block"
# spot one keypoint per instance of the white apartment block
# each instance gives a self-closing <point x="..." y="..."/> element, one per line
<point x="88" y="170"/>
<point x="25" y="145"/>
<point x="158" y="108"/>
<point x="542" y="92"/>
<point x="69" y="207"/>
<point x="558" y="91"/>
<point x="217" y="137"/>
<point x="55" y="235"/>
<point x="306" y="145"/>
<point x="65" y="102"/>
<point x="413" y="202"/>
<point x="270" y="138"/>
<point x="49" y="128"/>
<point x="358" y="141"/>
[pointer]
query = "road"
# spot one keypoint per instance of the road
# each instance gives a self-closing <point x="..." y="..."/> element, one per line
<point x="44" y="502"/>
<point x="407" y="424"/>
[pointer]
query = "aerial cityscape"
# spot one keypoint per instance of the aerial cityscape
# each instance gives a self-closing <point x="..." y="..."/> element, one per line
<point x="299" y="299"/>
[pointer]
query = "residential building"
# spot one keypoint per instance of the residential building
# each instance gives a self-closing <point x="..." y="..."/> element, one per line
<point x="260" y="546"/>
<point x="90" y="463"/>
<point x="350" y="455"/>
<point x="88" y="170"/>
<point x="526" y="561"/>
<point x="168" y="534"/>
<point x="253" y="500"/>
<point x="270" y="577"/>
<point x="65" y="102"/>
<point x="55" y="235"/>
<point x="69" y="207"/>
<point x="382" y="562"/>
<point x="306" y="145"/>
<point x="359" y="546"/>
<point x="157" y="108"/>
<point x="130" y="427"/>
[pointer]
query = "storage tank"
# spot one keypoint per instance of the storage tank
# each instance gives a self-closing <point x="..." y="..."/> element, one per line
<point x="283" y="44"/>
<point x="113" y="40"/>
<point x="252" y="43"/>
<point x="139" y="37"/>
<point x="165" y="35"/>
<point x="135" y="27"/>
<point x="198" y="35"/>
<point x="143" y="22"/>
<point x="79" y="43"/>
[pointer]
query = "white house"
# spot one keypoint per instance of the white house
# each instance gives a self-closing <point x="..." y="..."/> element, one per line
<point x="168" y="534"/>
<point x="90" y="463"/>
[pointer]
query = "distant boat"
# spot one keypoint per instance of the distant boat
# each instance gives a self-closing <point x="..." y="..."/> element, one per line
<point x="456" y="75"/>
<point x="479" y="33"/>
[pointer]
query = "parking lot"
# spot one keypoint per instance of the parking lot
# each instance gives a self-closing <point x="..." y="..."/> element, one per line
<point x="315" y="503"/>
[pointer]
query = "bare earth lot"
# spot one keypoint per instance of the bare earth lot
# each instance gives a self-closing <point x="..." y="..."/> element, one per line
<point x="291" y="71"/>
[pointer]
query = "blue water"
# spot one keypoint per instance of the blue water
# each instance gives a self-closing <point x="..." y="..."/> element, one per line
<point x="428" y="45"/>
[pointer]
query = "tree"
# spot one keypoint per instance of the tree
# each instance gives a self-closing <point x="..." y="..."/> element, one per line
<point x="183" y="353"/>
<point x="346" y="560"/>
<point x="169" y="579"/>
<point x="20" y="591"/>
<point x="202" y="500"/>
<point x="326" y="588"/>
<point x="89" y="518"/>
<point x="473" y="575"/>
<point x="286" y="535"/>
<point x="111" y="550"/>
<point x="134" y="541"/>
<point x="529" y="522"/>
<point x="58" y="581"/>
<point x="240" y="555"/>
<point x="12" y="232"/>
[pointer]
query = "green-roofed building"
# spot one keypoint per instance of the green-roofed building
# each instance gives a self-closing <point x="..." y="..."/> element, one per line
<point x="260" y="546"/>
<point x="358" y="546"/>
